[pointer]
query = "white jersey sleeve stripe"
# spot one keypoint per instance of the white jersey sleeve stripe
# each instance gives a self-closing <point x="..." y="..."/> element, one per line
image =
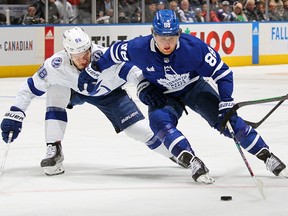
<point x="222" y="75"/>
<point x="114" y="58"/>
<point x="175" y="142"/>
<point x="253" y="143"/>
<point x="217" y="68"/>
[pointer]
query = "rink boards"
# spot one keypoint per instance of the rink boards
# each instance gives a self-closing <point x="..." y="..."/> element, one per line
<point x="24" y="48"/>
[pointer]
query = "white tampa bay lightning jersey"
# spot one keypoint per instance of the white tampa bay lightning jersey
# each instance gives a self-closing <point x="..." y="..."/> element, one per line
<point x="176" y="73"/>
<point x="60" y="70"/>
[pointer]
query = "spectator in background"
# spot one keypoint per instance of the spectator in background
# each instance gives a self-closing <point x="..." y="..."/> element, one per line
<point x="260" y="10"/>
<point x="40" y="8"/>
<point x="31" y="18"/>
<point x="173" y="5"/>
<point x="53" y="13"/>
<point x="214" y="6"/>
<point x="187" y="14"/>
<point x="249" y="10"/>
<point x="133" y="4"/>
<point x="223" y="12"/>
<point x="161" y="5"/>
<point x="273" y="14"/>
<point x="204" y="11"/>
<point x="65" y="14"/>
<point x="150" y="12"/>
<point x="83" y="15"/>
<point x="108" y="5"/>
<point x="279" y="4"/>
<point x="100" y="17"/>
<point x="123" y="18"/>
<point x="125" y="7"/>
<point x="137" y="16"/>
<point x="2" y="19"/>
<point x="105" y="18"/>
<point x="285" y="13"/>
<point x="110" y="14"/>
<point x="237" y="14"/>
<point x="198" y="15"/>
<point x="104" y="5"/>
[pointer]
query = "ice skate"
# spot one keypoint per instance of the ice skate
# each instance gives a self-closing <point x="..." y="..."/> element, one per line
<point x="175" y="160"/>
<point x="200" y="172"/>
<point x="273" y="163"/>
<point x="276" y="166"/>
<point x="52" y="163"/>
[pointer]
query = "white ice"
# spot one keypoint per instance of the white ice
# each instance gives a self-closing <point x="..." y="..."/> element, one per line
<point x="109" y="174"/>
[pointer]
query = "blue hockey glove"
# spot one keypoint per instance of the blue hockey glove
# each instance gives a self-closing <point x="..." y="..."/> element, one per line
<point x="150" y="95"/>
<point x="12" y="121"/>
<point x="224" y="108"/>
<point x="87" y="79"/>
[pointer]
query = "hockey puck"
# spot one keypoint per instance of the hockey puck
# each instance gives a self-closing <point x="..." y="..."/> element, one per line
<point x="226" y="198"/>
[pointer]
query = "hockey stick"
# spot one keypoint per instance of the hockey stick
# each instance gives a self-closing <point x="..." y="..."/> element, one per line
<point x="257" y="124"/>
<point x="6" y="152"/>
<point x="259" y="184"/>
<point x="281" y="99"/>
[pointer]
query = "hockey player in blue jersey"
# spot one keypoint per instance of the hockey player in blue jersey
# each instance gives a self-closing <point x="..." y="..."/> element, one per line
<point x="175" y="67"/>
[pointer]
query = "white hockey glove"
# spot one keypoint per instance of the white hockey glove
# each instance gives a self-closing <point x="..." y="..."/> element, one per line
<point x="224" y="108"/>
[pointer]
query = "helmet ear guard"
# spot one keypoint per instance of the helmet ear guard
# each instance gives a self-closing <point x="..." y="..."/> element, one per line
<point x="76" y="41"/>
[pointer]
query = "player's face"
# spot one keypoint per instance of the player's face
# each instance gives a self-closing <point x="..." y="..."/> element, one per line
<point x="81" y="60"/>
<point x="166" y="44"/>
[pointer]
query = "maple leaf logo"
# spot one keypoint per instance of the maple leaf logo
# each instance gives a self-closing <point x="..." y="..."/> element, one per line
<point x="174" y="81"/>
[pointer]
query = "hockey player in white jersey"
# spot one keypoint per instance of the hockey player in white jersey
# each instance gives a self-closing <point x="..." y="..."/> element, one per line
<point x="56" y="77"/>
<point x="175" y="66"/>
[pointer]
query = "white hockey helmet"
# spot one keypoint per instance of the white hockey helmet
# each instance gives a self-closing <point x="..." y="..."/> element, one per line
<point x="76" y="41"/>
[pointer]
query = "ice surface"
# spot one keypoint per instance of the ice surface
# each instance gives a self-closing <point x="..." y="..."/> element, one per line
<point x="113" y="175"/>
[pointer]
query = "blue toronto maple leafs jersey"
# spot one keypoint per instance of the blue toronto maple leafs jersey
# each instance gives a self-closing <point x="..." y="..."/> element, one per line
<point x="177" y="72"/>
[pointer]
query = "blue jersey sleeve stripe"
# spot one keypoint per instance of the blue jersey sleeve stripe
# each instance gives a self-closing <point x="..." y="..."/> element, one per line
<point x="33" y="89"/>
<point x="56" y="113"/>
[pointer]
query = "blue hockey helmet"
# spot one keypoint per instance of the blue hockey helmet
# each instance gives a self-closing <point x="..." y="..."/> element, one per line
<point x="166" y="23"/>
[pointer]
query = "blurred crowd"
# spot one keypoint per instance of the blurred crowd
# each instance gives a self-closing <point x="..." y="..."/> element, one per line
<point x="137" y="11"/>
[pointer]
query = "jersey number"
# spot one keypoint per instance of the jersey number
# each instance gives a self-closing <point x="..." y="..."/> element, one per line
<point x="123" y="52"/>
<point x="210" y="57"/>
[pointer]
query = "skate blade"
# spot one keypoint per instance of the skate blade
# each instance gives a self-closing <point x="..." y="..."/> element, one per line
<point x="54" y="170"/>
<point x="284" y="173"/>
<point x="206" y="179"/>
